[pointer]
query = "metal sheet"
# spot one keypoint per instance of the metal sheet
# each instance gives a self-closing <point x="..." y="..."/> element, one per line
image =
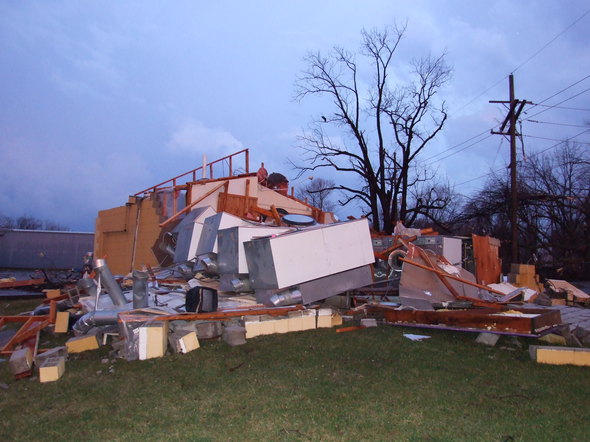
<point x="322" y="288"/>
<point x="39" y="249"/>
<point x="189" y="232"/>
<point x="231" y="256"/>
<point x="447" y="246"/>
<point x="211" y="226"/>
<point x="308" y="254"/>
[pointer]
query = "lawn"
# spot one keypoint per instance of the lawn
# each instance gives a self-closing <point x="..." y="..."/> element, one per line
<point x="314" y="385"/>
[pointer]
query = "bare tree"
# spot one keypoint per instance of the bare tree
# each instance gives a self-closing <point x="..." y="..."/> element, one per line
<point x="384" y="127"/>
<point x="6" y="222"/>
<point x="27" y="222"/>
<point x="554" y="209"/>
<point x="317" y="193"/>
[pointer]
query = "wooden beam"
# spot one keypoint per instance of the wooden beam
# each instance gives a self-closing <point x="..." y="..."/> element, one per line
<point x="456" y="278"/>
<point x="194" y="203"/>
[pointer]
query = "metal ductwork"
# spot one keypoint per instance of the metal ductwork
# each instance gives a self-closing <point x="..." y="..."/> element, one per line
<point x="140" y="289"/>
<point x="210" y="265"/>
<point x="287" y="297"/>
<point x="87" y="286"/>
<point x="241" y="285"/>
<point x="95" y="319"/>
<point x="108" y="281"/>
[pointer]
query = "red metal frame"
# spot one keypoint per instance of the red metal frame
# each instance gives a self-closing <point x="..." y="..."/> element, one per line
<point x="173" y="182"/>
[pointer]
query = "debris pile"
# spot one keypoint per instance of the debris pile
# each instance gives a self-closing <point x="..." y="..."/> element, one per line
<point x="236" y="258"/>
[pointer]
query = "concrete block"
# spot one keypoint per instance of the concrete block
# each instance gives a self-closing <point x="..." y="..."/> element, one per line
<point x="234" y="335"/>
<point x="490" y="339"/>
<point x="368" y="322"/>
<point x="52" y="369"/>
<point x="209" y="330"/>
<point x="62" y="322"/>
<point x="184" y="342"/>
<point x="79" y="344"/>
<point x="153" y="340"/>
<point x="51" y="353"/>
<point x="21" y="361"/>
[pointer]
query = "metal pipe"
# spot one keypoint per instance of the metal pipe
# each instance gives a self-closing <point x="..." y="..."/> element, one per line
<point x="88" y="286"/>
<point x="94" y="319"/>
<point x="287" y="297"/>
<point x="140" y="289"/>
<point x="108" y="280"/>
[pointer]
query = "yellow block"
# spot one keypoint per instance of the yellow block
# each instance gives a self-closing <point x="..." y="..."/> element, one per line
<point x="153" y="340"/>
<point x="281" y="325"/>
<point x="52" y="369"/>
<point x="82" y="343"/>
<point x="324" y="319"/>
<point x="52" y="293"/>
<point x="188" y="342"/>
<point x="252" y="329"/>
<point x="266" y="325"/>
<point x="62" y="321"/>
<point x="295" y="321"/>
<point x="336" y="319"/>
<point x="582" y="357"/>
<point x="308" y="320"/>
<point x="555" y="357"/>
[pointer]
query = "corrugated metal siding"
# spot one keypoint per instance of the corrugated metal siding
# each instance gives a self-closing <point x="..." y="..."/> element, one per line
<point x="36" y="249"/>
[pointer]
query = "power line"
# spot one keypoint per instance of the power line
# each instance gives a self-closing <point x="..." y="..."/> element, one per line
<point x="552" y="40"/>
<point x="556" y="124"/>
<point x="427" y="160"/>
<point x="551" y="139"/>
<point x="532" y="155"/>
<point x="480" y="95"/>
<point x="561" y="91"/>
<point x="561" y="102"/>
<point x="563" y="107"/>
<point x="461" y="150"/>
<point x="526" y="61"/>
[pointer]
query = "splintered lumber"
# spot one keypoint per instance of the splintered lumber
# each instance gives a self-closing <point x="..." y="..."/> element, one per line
<point x="22" y="283"/>
<point x="526" y="322"/>
<point x="193" y="204"/>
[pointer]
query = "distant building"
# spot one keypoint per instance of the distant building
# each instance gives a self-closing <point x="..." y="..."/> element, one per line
<point x="43" y="249"/>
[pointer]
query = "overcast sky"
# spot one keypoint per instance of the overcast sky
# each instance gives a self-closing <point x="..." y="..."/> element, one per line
<point x="102" y="99"/>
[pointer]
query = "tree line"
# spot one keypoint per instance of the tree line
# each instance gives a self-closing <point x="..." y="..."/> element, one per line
<point x="28" y="222"/>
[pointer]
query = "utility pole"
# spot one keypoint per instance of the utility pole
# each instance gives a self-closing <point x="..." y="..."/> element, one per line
<point x="514" y="110"/>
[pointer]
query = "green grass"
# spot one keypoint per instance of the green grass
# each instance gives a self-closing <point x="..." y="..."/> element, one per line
<point x="316" y="385"/>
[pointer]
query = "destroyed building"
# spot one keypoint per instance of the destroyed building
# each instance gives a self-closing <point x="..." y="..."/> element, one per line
<point x="200" y="257"/>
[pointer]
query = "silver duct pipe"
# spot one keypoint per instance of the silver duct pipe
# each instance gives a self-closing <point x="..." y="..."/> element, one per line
<point x="94" y="319"/>
<point x="108" y="281"/>
<point x="210" y="265"/>
<point x="287" y="297"/>
<point x="88" y="286"/>
<point x="140" y="289"/>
